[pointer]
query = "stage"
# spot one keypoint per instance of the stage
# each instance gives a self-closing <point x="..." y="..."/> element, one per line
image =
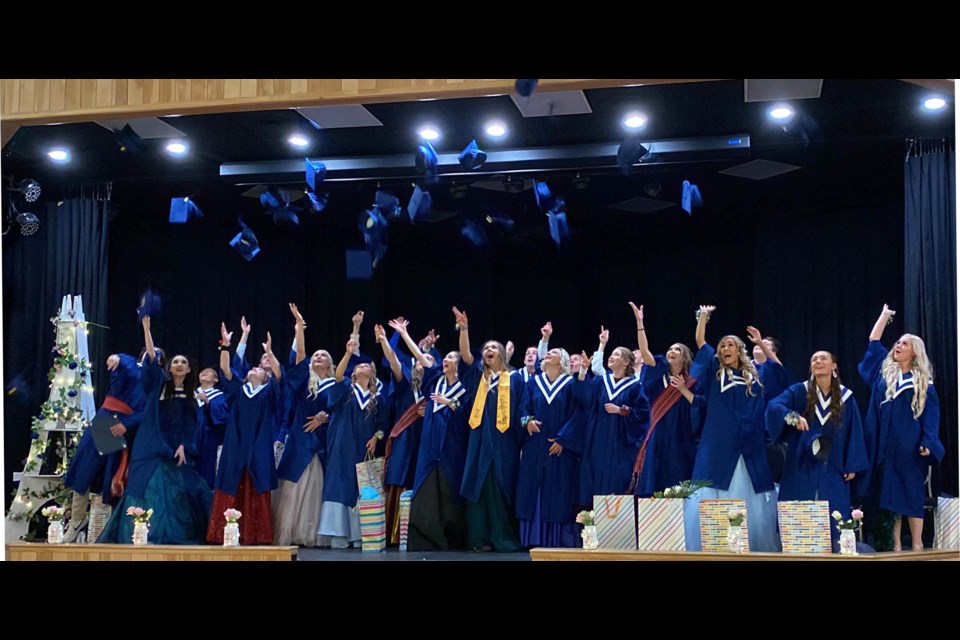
<point x="152" y="552"/>
<point x="612" y="555"/>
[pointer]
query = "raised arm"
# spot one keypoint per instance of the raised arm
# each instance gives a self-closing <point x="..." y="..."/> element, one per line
<point x="757" y="339"/>
<point x="642" y="343"/>
<point x="225" y="337"/>
<point x="381" y="336"/>
<point x="355" y="334"/>
<point x="702" y="319"/>
<point x="298" y="327"/>
<point x="886" y="317"/>
<point x="274" y="363"/>
<point x="342" y="366"/>
<point x="462" y="324"/>
<point x="400" y="326"/>
<point x="545" y="332"/>
<point x="148" y="339"/>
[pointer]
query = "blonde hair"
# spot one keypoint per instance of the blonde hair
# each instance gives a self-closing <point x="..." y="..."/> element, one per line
<point x="750" y="374"/>
<point x="313" y="384"/>
<point x="922" y="374"/>
<point x="371" y="387"/>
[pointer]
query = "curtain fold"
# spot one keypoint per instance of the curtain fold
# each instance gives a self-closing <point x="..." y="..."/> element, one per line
<point x="930" y="278"/>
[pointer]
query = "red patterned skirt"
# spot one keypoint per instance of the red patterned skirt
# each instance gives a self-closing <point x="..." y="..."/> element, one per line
<point x="256" y="523"/>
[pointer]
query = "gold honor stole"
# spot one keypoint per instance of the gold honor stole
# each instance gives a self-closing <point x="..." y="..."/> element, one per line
<point x="503" y="402"/>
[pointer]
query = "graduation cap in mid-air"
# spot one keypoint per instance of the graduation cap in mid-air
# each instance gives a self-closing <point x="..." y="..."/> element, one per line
<point x="420" y="203"/>
<point x="373" y="227"/>
<point x="525" y="86"/>
<point x="245" y="243"/>
<point x="183" y="209"/>
<point x="690" y="198"/>
<point x="472" y="157"/>
<point x="150" y="304"/>
<point x="426" y="159"/>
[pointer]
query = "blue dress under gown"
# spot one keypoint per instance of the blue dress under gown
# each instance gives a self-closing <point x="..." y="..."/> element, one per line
<point x="179" y="497"/>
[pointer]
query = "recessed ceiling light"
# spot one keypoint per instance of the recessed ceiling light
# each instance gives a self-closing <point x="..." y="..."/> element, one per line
<point x="635" y="121"/>
<point x="177" y="148"/>
<point x="298" y="140"/>
<point x="496" y="129"/>
<point x="934" y="104"/>
<point x="59" y="155"/>
<point x="429" y="133"/>
<point x="781" y="113"/>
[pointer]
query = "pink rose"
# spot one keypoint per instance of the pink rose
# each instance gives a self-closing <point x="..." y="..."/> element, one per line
<point x="857" y="514"/>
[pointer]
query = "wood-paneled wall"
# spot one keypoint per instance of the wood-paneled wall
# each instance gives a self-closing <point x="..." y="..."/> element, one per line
<point x="37" y="101"/>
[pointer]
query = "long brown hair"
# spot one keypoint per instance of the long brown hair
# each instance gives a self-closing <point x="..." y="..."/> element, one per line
<point x="836" y="395"/>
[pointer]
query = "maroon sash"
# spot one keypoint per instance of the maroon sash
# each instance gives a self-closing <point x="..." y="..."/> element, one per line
<point x="664" y="402"/>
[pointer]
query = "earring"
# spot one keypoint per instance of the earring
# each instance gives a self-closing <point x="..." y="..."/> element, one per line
<point x="834" y="373"/>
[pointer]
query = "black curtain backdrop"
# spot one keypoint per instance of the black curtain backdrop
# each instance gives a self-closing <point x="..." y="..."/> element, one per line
<point x="930" y="279"/>
<point x="808" y="257"/>
<point x="67" y="255"/>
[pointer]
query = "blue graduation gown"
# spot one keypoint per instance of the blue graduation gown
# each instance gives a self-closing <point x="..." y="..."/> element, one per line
<point x="302" y="446"/>
<point x="734" y="425"/>
<point x="443" y="440"/>
<point x="351" y="426"/>
<point x="212" y="426"/>
<point x="894" y="437"/>
<point x="248" y="442"/>
<point x="166" y="425"/>
<point x="553" y="478"/>
<point x="611" y="440"/>
<point x="486" y="444"/>
<point x="179" y="497"/>
<point x="283" y="415"/>
<point x="87" y="464"/>
<point x="402" y="466"/>
<point x="672" y="448"/>
<point x="804" y="477"/>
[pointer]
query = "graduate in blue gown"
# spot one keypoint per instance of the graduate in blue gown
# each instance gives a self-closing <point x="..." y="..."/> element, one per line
<point x="902" y="426"/>
<point x="732" y="453"/>
<point x="595" y="365"/>
<point x="825" y="449"/>
<point x="493" y="450"/>
<point x="408" y="395"/>
<point x="550" y="456"/>
<point x="358" y="418"/>
<point x="163" y="476"/>
<point x="247" y="473"/>
<point x="618" y="414"/>
<point x="299" y="495"/>
<point x="90" y="470"/>
<point x="438" y="520"/>
<point x="240" y="367"/>
<point x="213" y="414"/>
<point x="677" y="409"/>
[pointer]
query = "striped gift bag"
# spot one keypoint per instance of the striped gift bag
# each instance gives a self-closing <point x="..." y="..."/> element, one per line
<point x="714" y="523"/>
<point x="373" y="524"/>
<point x="99" y="514"/>
<point x="804" y="526"/>
<point x="660" y="525"/>
<point x="946" y="524"/>
<point x="406" y="499"/>
<point x="616" y="522"/>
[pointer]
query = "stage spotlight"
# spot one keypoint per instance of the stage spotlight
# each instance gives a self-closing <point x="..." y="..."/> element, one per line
<point x="29" y="223"/>
<point x="30" y="189"/>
